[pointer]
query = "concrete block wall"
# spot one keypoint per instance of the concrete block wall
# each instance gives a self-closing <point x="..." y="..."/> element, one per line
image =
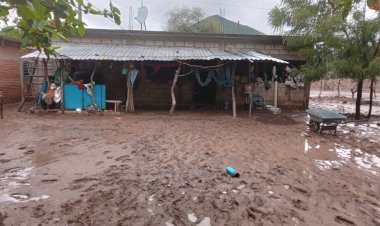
<point x="150" y="94"/>
<point x="157" y="95"/>
<point x="288" y="98"/>
<point x="10" y="64"/>
<point x="146" y="92"/>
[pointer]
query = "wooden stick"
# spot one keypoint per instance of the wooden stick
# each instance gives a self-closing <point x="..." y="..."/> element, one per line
<point x="130" y="103"/>
<point x="93" y="88"/>
<point x="46" y="76"/>
<point x="62" y="101"/>
<point x="233" y="90"/>
<point x="173" y="87"/>
<point x="127" y="102"/>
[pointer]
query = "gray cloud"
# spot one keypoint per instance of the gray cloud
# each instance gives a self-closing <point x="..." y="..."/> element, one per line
<point x="252" y="13"/>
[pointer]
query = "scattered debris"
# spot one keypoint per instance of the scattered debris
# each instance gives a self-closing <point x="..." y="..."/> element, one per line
<point x="231" y="171"/>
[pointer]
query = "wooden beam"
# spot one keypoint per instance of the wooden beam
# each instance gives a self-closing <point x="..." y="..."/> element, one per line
<point x="173" y="87"/>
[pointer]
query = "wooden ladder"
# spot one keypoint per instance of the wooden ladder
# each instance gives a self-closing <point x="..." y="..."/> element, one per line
<point x="28" y="91"/>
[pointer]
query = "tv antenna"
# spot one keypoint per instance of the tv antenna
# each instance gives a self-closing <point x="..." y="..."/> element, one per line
<point x="142" y="14"/>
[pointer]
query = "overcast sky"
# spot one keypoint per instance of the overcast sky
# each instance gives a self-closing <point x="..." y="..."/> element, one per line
<point x="251" y="13"/>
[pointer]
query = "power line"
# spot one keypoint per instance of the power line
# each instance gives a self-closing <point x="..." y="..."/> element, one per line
<point x="119" y="25"/>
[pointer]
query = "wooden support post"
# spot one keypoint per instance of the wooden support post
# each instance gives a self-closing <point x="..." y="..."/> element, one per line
<point x="46" y="76"/>
<point x="93" y="88"/>
<point x="173" y="87"/>
<point x="62" y="101"/>
<point x="233" y="90"/>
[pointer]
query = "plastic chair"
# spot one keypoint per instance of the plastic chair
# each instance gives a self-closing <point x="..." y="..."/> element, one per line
<point x="257" y="101"/>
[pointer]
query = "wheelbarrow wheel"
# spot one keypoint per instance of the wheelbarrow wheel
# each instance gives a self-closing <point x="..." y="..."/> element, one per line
<point x="317" y="127"/>
<point x="313" y="125"/>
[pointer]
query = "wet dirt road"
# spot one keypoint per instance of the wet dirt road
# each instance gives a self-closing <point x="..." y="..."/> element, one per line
<point x="154" y="169"/>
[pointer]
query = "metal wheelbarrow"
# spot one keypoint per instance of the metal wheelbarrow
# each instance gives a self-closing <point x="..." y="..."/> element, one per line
<point x="322" y="120"/>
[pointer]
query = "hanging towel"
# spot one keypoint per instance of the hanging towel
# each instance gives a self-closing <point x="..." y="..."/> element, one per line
<point x="43" y="92"/>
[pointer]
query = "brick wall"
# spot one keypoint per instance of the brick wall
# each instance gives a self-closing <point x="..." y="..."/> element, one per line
<point x="10" y="85"/>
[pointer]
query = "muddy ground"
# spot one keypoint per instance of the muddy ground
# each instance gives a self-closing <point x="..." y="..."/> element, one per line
<point x="150" y="168"/>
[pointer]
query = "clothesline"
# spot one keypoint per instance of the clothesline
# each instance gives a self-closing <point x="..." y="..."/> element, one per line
<point x="201" y="66"/>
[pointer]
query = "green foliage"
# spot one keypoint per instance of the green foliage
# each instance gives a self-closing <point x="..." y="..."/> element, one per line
<point x="187" y="19"/>
<point x="373" y="69"/>
<point x="333" y="43"/>
<point x="206" y="27"/>
<point x="11" y="32"/>
<point x="347" y="5"/>
<point x="39" y="21"/>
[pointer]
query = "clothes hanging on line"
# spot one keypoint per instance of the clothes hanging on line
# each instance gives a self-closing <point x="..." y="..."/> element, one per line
<point x="224" y="77"/>
<point x="162" y="76"/>
<point x="210" y="75"/>
<point x="58" y="73"/>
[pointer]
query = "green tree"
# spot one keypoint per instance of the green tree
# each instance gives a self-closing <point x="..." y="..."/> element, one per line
<point x="374" y="5"/>
<point x="333" y="42"/>
<point x="39" y="21"/>
<point x="187" y="19"/>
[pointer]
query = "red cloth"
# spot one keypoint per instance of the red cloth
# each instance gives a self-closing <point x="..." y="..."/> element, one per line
<point x="156" y="68"/>
<point x="81" y="86"/>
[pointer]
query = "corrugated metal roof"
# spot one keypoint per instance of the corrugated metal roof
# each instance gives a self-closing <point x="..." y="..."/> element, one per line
<point x="257" y="56"/>
<point x="118" y="52"/>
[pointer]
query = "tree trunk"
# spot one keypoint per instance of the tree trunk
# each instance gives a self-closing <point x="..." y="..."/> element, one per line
<point x="359" y="98"/>
<point x="372" y="81"/>
<point x="173" y="87"/>
<point x="353" y="91"/>
<point x="320" y="89"/>
<point x="370" y="98"/>
<point x="339" y="88"/>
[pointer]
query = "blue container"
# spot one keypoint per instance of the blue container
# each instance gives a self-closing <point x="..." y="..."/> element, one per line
<point x="79" y="98"/>
<point x="100" y="97"/>
<point x="231" y="171"/>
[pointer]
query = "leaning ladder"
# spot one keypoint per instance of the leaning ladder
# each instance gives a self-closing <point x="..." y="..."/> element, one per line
<point x="31" y="90"/>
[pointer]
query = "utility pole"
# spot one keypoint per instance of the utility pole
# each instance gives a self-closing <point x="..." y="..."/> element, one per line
<point x="141" y="23"/>
<point x="130" y="25"/>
